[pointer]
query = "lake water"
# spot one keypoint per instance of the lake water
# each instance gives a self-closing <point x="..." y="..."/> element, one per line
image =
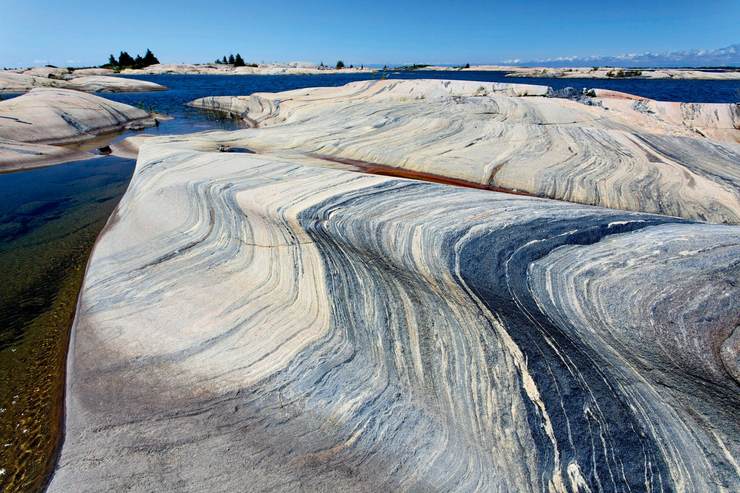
<point x="50" y="217"/>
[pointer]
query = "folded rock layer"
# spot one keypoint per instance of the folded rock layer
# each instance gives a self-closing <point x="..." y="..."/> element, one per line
<point x="249" y="322"/>
<point x="611" y="149"/>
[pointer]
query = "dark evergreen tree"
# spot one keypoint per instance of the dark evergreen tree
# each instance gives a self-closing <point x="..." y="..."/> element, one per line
<point x="149" y="58"/>
<point x="224" y="61"/>
<point x="125" y="60"/>
<point x="138" y="62"/>
<point x="239" y="61"/>
<point x="340" y="65"/>
<point x="112" y="61"/>
<point x="231" y="60"/>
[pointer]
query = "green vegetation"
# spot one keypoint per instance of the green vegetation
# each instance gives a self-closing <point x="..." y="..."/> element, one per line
<point x="125" y="60"/>
<point x="411" y="68"/>
<point x="617" y="74"/>
<point x="236" y="61"/>
<point x="340" y="65"/>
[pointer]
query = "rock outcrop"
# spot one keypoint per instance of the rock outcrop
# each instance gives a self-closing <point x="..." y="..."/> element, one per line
<point x="88" y="81"/>
<point x="607" y="149"/>
<point x="596" y="72"/>
<point x="261" y="69"/>
<point x="265" y="322"/>
<point x="34" y="126"/>
<point x="621" y="73"/>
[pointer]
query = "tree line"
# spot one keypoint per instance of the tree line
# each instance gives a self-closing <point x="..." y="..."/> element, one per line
<point x="236" y="61"/>
<point x="125" y="60"/>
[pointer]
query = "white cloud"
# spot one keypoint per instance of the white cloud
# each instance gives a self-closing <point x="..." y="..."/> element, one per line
<point x="728" y="56"/>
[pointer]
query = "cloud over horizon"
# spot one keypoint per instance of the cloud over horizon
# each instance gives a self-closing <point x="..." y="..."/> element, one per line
<point x="721" y="57"/>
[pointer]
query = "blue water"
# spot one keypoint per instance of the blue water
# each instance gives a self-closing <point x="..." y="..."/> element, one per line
<point x="185" y="88"/>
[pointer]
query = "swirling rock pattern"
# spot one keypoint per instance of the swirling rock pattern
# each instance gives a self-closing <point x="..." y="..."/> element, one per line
<point x="612" y="151"/>
<point x="257" y="322"/>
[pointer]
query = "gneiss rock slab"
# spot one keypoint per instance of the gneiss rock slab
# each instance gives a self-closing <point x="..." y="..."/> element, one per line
<point x="248" y="322"/>
<point x="44" y="116"/>
<point x="12" y="82"/>
<point x="295" y="68"/>
<point x="677" y="159"/>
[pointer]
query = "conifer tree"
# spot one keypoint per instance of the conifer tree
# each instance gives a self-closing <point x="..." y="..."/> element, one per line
<point x="125" y="60"/>
<point x="149" y="58"/>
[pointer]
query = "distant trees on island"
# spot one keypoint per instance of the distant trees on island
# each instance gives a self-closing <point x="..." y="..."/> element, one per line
<point x="125" y="60"/>
<point x="339" y="66"/>
<point x="236" y="61"/>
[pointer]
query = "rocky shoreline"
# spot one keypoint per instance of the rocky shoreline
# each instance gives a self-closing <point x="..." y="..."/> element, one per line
<point x="256" y="314"/>
<point x="262" y="69"/>
<point x="597" y="72"/>
<point x="50" y="126"/>
<point x="86" y="80"/>
<point x="601" y="148"/>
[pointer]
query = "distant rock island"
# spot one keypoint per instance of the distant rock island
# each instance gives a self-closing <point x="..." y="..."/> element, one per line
<point x="372" y="289"/>
<point x="261" y="69"/>
<point x="599" y="72"/>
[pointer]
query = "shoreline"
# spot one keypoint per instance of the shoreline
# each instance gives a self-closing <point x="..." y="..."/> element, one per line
<point x="364" y="167"/>
<point x="58" y="252"/>
<point x="49" y="126"/>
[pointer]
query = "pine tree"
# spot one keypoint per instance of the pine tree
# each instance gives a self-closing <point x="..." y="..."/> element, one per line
<point x="340" y="65"/>
<point x="149" y="58"/>
<point x="231" y="60"/>
<point x="239" y="61"/>
<point x="224" y="61"/>
<point x="125" y="60"/>
<point x="112" y="61"/>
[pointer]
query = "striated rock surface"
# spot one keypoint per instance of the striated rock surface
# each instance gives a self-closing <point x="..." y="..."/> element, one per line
<point x="263" y="322"/>
<point x="90" y="81"/>
<point x="30" y="123"/>
<point x="611" y="149"/>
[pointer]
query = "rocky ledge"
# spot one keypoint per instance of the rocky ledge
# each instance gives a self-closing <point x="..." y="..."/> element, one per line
<point x="48" y="126"/>
<point x="597" y="72"/>
<point x="87" y="80"/>
<point x="276" y="321"/>
<point x="261" y="69"/>
<point x="605" y="148"/>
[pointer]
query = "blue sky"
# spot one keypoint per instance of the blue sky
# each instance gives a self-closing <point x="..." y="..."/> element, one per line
<point x="82" y="32"/>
